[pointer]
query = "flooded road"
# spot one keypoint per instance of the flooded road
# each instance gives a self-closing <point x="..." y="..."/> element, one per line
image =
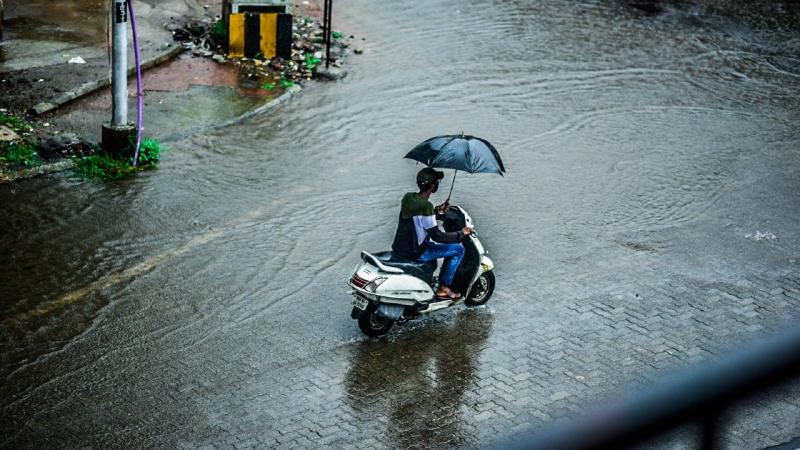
<point x="648" y="219"/>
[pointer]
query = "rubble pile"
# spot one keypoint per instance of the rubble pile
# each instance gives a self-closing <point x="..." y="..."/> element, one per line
<point x="207" y="38"/>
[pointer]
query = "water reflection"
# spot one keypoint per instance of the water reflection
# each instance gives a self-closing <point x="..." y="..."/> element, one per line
<point x="418" y="383"/>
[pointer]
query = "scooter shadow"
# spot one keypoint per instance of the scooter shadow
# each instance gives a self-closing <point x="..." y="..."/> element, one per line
<point x="419" y="385"/>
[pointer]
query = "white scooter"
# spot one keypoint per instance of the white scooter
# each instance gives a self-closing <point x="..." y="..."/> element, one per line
<point x="389" y="290"/>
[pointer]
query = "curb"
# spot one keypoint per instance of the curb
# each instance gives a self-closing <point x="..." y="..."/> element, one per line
<point x="270" y="105"/>
<point x="92" y="86"/>
<point x="8" y="177"/>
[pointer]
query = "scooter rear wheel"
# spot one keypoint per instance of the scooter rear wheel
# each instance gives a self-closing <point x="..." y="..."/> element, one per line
<point x="372" y="324"/>
<point x="482" y="290"/>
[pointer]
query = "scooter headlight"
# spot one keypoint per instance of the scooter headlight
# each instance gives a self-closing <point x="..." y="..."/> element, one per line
<point x="373" y="285"/>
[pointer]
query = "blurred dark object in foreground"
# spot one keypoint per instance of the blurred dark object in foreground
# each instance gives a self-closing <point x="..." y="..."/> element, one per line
<point x="699" y="396"/>
<point x="649" y="6"/>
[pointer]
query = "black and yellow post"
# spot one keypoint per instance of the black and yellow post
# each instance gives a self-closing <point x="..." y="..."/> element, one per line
<point x="283" y="36"/>
<point x="267" y="34"/>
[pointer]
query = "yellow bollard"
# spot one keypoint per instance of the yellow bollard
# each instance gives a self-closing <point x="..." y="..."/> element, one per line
<point x="236" y="36"/>
<point x="269" y="33"/>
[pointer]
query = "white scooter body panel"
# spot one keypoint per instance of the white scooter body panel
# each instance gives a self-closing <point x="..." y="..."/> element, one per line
<point x="404" y="289"/>
<point x="486" y="264"/>
<point x="366" y="271"/>
<point x="397" y="288"/>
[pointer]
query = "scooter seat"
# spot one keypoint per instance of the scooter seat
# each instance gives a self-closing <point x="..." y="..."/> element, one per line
<point x="422" y="270"/>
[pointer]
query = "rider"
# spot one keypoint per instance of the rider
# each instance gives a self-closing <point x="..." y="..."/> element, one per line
<point x="418" y="237"/>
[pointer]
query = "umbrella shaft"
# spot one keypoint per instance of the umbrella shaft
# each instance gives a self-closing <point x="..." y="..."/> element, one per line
<point x="452" y="184"/>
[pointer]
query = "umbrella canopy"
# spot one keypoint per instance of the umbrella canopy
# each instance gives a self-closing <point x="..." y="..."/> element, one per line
<point x="460" y="152"/>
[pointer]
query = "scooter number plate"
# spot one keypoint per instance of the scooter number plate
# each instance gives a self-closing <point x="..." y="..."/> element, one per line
<point x="360" y="303"/>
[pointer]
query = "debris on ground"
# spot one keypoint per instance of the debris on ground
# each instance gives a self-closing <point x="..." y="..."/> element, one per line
<point x="207" y="38"/>
<point x="29" y="144"/>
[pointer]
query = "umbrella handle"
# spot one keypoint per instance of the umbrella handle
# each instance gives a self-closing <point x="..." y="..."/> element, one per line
<point x="451" y="186"/>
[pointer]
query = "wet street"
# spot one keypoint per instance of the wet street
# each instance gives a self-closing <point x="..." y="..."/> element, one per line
<point x="648" y="221"/>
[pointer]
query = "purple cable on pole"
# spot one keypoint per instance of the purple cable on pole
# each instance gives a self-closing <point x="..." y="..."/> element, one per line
<point x="139" y="102"/>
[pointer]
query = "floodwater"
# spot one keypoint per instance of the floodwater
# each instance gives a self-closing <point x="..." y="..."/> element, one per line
<point x="642" y="146"/>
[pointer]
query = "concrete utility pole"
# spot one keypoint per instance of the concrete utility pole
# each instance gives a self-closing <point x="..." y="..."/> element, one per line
<point x="117" y="133"/>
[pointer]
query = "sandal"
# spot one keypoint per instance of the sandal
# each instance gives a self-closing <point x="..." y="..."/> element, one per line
<point x="446" y="292"/>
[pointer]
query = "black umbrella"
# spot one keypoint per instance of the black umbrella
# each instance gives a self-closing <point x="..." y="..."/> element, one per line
<point x="460" y="152"/>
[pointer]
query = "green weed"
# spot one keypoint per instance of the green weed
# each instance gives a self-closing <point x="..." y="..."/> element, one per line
<point x="19" y="153"/>
<point x="15" y="123"/>
<point x="149" y="153"/>
<point x="103" y="166"/>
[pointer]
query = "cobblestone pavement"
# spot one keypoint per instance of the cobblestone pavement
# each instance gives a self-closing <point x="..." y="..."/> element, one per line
<point x="461" y="379"/>
<point x="647" y="223"/>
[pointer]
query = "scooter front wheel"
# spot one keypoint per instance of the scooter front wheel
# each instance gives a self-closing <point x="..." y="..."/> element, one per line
<point x="372" y="324"/>
<point x="482" y="290"/>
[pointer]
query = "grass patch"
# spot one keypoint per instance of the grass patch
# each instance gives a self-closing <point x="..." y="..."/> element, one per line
<point x="20" y="153"/>
<point x="15" y="123"/>
<point x="103" y="166"/>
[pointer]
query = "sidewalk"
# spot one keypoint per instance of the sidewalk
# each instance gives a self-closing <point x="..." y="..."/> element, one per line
<point x="41" y="37"/>
<point x="54" y="65"/>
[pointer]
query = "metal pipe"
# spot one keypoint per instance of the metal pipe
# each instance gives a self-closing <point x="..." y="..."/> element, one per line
<point x="119" y="63"/>
<point x="139" y="89"/>
<point x="328" y="19"/>
<point x="325" y="22"/>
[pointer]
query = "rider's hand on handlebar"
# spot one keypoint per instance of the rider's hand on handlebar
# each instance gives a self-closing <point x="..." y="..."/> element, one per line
<point x="467" y="231"/>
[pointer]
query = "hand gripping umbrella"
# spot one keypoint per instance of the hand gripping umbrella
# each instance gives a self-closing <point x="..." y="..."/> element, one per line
<point x="468" y="153"/>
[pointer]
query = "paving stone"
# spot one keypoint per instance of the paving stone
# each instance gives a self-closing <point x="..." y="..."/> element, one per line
<point x="420" y="391"/>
